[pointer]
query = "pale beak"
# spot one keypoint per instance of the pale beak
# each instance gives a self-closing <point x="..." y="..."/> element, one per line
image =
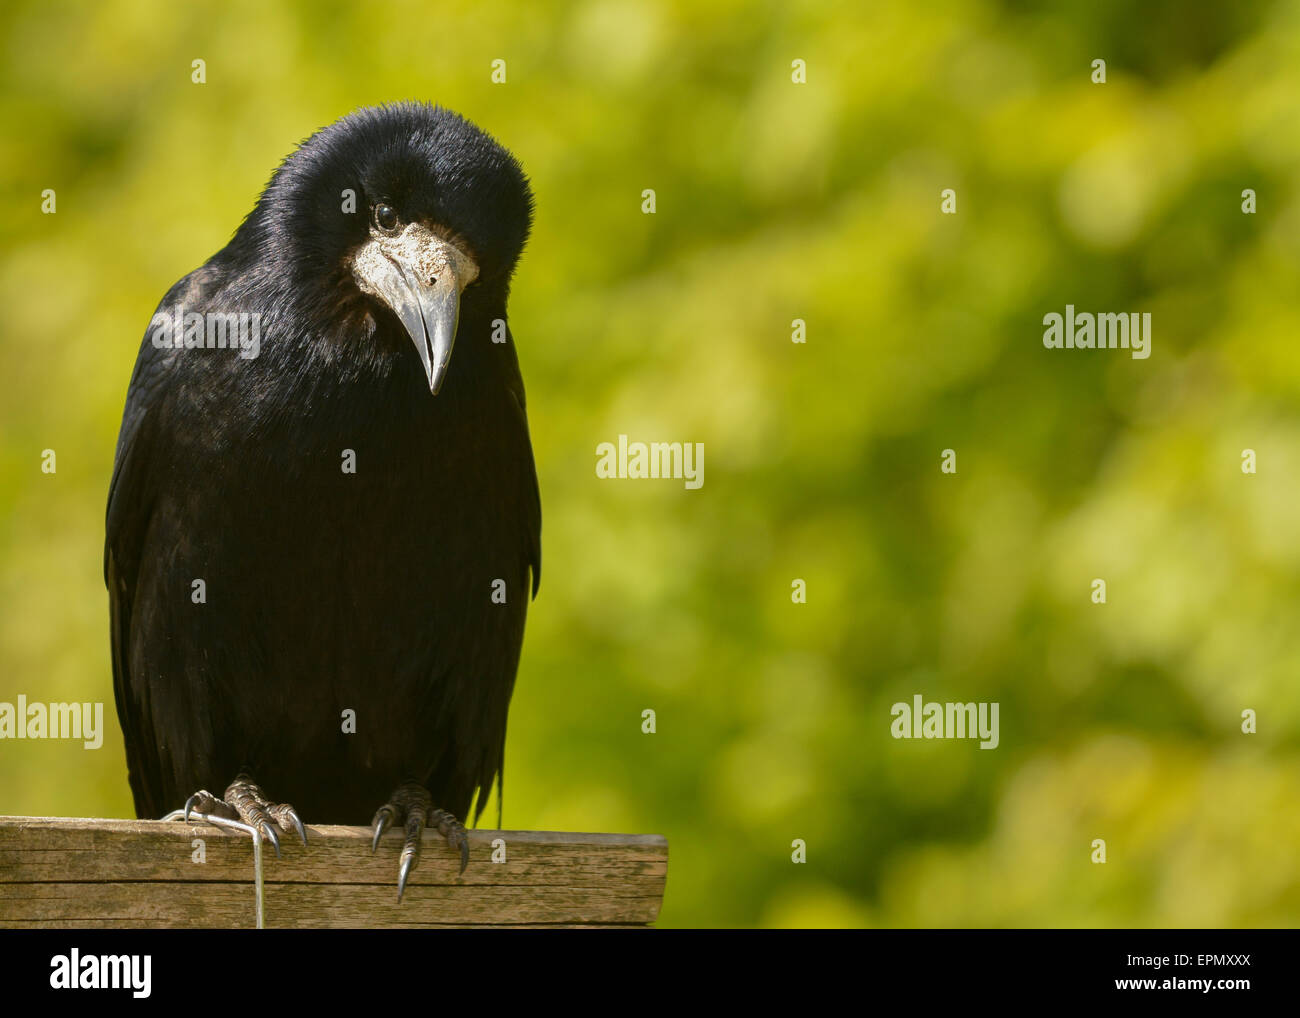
<point x="421" y="277"/>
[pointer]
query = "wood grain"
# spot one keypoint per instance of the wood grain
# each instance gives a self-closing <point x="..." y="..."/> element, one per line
<point x="59" y="872"/>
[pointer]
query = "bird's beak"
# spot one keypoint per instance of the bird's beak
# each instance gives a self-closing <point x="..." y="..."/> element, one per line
<point x="421" y="276"/>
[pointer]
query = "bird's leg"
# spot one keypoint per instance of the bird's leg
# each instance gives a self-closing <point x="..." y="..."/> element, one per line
<point x="412" y="806"/>
<point x="245" y="801"/>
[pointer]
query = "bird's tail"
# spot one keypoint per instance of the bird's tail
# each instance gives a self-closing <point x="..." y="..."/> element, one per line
<point x="482" y="795"/>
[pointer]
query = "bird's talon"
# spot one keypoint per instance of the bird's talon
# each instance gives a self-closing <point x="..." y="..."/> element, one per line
<point x="380" y="823"/>
<point x="245" y="802"/>
<point x="412" y="807"/>
<point x="268" y="834"/>
<point x="287" y="817"/>
<point x="205" y="802"/>
<point x="404" y="871"/>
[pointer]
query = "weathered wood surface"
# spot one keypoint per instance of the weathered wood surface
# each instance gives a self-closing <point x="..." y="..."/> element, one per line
<point x="58" y="872"/>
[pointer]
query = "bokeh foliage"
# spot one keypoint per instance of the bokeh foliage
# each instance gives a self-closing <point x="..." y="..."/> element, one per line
<point x="775" y="201"/>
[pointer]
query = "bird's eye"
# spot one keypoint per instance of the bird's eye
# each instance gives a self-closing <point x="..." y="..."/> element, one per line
<point x="386" y="218"/>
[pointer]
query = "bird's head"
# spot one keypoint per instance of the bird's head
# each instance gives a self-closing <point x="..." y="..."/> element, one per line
<point x="397" y="210"/>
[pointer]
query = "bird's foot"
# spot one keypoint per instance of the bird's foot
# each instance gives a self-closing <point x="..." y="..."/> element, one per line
<point x="246" y="802"/>
<point x="244" y="807"/>
<point x="412" y="806"/>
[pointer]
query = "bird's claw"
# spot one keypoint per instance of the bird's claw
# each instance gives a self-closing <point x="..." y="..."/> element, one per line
<point x="254" y="809"/>
<point x="380" y="823"/>
<point x="268" y="834"/>
<point x="412" y="806"/>
<point x="206" y="803"/>
<point x="404" y="871"/>
<point x="287" y="817"/>
<point x="245" y="802"/>
<point x="244" y="808"/>
<point x="455" y="834"/>
<point x="298" y="826"/>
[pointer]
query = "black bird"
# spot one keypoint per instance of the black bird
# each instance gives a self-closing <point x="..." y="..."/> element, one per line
<point x="320" y="534"/>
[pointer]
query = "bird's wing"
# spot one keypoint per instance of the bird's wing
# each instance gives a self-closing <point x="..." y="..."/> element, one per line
<point x="531" y="521"/>
<point x="127" y="523"/>
<point x="532" y="515"/>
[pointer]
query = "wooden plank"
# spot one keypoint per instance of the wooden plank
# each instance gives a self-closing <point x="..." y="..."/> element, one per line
<point x="89" y="873"/>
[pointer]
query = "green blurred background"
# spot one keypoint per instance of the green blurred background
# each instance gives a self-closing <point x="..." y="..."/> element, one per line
<point x="776" y="201"/>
